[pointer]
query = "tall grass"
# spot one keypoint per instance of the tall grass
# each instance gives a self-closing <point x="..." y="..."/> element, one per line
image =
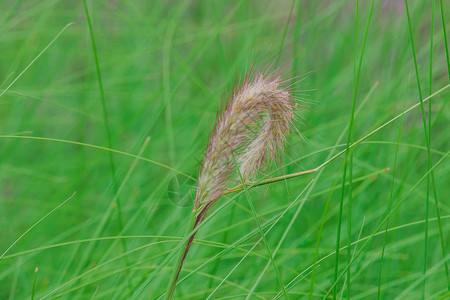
<point x="376" y="135"/>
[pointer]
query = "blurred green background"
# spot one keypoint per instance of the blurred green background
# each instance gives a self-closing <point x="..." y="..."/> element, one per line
<point x="165" y="67"/>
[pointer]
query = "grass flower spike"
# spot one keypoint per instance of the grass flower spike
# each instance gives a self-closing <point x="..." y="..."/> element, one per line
<point x="252" y="126"/>
<point x="250" y="131"/>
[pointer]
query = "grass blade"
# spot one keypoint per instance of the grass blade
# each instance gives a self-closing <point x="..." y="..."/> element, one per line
<point x="347" y="154"/>
<point x="388" y="212"/>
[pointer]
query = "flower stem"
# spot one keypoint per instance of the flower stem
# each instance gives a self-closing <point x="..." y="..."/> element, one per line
<point x="195" y="220"/>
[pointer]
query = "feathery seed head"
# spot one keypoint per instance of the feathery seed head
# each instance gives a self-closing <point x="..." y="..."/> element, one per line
<point x="252" y="127"/>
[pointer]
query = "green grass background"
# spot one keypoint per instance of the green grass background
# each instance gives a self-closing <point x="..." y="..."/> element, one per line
<point x="165" y="67"/>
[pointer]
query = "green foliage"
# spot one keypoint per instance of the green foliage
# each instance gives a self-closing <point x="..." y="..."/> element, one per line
<point x="165" y="67"/>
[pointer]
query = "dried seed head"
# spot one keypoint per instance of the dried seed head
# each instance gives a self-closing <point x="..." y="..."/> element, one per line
<point x="253" y="127"/>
